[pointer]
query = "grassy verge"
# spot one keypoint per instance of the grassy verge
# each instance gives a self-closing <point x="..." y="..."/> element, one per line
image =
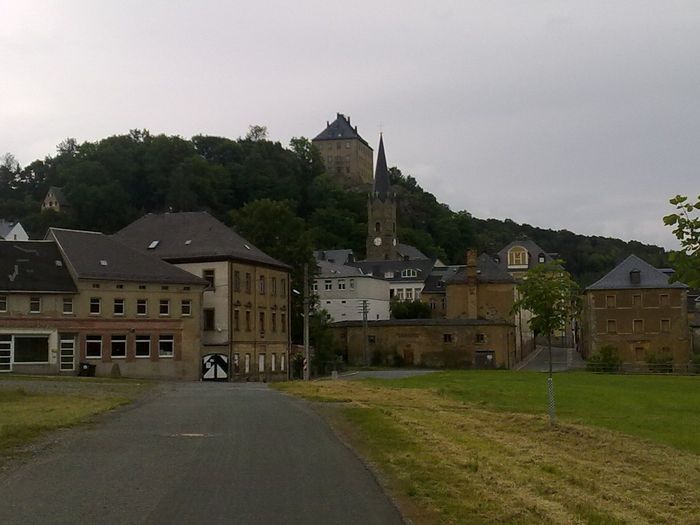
<point x="479" y="453"/>
<point x="30" y="407"/>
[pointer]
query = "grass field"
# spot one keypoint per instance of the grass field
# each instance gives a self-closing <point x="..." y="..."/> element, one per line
<point x="31" y="406"/>
<point x="476" y="447"/>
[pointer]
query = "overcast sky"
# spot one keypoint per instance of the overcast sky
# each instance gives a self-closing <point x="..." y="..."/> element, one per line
<point x="578" y="115"/>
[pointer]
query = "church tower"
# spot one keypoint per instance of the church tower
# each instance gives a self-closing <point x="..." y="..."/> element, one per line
<point x="382" y="241"/>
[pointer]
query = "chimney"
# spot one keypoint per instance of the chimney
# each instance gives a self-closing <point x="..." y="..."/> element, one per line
<point x="472" y="289"/>
<point x="355" y="129"/>
<point x="328" y="124"/>
<point x="348" y="119"/>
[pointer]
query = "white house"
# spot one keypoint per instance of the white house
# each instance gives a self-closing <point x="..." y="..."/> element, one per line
<point x="342" y="291"/>
<point x="12" y="231"/>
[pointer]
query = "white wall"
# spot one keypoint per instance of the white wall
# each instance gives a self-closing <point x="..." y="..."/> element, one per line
<point x="346" y="304"/>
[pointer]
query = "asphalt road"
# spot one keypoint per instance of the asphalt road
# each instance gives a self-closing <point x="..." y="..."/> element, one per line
<point x="563" y="359"/>
<point x="198" y="453"/>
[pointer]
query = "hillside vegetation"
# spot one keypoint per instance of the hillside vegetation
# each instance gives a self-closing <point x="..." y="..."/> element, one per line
<point x="111" y="182"/>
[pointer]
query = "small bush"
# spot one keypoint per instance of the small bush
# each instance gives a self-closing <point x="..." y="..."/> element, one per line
<point x="661" y="363"/>
<point x="606" y="360"/>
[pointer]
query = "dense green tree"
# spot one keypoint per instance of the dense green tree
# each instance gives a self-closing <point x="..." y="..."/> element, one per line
<point x="409" y="309"/>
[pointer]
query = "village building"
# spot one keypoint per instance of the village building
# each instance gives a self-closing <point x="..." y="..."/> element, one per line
<point x="81" y="297"/>
<point x="636" y="310"/>
<point x="55" y="200"/>
<point x="347" y="156"/>
<point x="12" y="231"/>
<point x="246" y="306"/>
<point x="345" y="293"/>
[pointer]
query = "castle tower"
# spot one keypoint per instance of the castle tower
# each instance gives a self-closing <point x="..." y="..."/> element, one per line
<point x="382" y="241"/>
<point x="346" y="155"/>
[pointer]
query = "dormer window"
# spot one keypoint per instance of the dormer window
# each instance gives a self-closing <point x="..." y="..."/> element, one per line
<point x="409" y="272"/>
<point x="518" y="257"/>
<point x="635" y="276"/>
<point x="541" y="258"/>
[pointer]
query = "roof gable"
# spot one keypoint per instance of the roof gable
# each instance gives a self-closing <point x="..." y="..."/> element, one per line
<point x="190" y="236"/>
<point x="340" y="129"/>
<point x="620" y="277"/>
<point x="93" y="255"/>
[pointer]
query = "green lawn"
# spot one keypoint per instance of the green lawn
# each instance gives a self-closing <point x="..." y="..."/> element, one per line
<point x="665" y="409"/>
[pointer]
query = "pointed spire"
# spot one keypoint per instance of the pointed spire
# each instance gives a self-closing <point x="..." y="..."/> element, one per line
<point x="381" y="173"/>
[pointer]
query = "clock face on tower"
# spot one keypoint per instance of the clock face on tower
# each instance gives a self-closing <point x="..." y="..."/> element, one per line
<point x="377" y="241"/>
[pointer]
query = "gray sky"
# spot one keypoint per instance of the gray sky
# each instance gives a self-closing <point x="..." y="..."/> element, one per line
<point x="579" y="115"/>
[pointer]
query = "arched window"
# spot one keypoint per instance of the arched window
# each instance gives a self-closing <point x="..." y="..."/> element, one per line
<point x="377" y="227"/>
<point x="517" y="256"/>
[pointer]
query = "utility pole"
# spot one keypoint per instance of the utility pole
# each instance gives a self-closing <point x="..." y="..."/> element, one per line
<point x="365" y="348"/>
<point x="307" y="369"/>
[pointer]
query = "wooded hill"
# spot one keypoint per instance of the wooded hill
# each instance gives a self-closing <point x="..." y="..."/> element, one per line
<point x="278" y="197"/>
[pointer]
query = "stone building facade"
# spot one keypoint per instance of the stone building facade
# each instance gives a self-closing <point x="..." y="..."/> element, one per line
<point x="638" y="312"/>
<point x="382" y="240"/>
<point x="347" y="156"/>
<point x="245" y="308"/>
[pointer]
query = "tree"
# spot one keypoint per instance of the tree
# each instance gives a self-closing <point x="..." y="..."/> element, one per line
<point x="686" y="223"/>
<point x="552" y="297"/>
<point x="409" y="309"/>
<point x="256" y="133"/>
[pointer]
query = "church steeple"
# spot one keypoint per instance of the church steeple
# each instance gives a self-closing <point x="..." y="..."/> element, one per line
<point x="381" y="174"/>
<point x="382" y="242"/>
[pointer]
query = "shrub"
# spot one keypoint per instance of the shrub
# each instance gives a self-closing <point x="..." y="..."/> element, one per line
<point x="606" y="360"/>
<point x="661" y="363"/>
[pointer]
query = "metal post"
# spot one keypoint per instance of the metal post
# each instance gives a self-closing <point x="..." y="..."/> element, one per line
<point x="307" y="367"/>
<point x="365" y="347"/>
<point x="551" y="405"/>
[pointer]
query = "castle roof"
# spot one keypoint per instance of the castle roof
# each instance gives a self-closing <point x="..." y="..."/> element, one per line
<point x="340" y="129"/>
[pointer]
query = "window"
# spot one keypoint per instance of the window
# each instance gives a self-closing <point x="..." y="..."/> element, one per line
<point x="273" y="362"/>
<point x="328" y="285"/>
<point x="637" y="301"/>
<point x="236" y="281"/>
<point x="261" y="362"/>
<point x="95" y="305"/>
<point x="377" y="227"/>
<point x="409" y="272"/>
<point x="119" y="307"/>
<point x="639" y="353"/>
<point x="371" y="339"/>
<point x="612" y="326"/>
<point x="143" y="346"/>
<point x="273" y="286"/>
<point x="166" y="346"/>
<point x="118" y="346"/>
<point x="3" y="303"/>
<point x="352" y="284"/>
<point x="120" y="286"/>
<point x="341" y="284"/>
<point x="315" y="286"/>
<point x="246" y="364"/>
<point x="517" y="257"/>
<point x="67" y="305"/>
<point x="186" y="307"/>
<point x="284" y="323"/>
<point x="409" y="294"/>
<point x="261" y="317"/>
<point x="209" y="319"/>
<point x="416" y="293"/>
<point x="236" y="363"/>
<point x="399" y="294"/>
<point x="446" y="338"/>
<point x="665" y="325"/>
<point x="274" y="322"/>
<point x="236" y="320"/>
<point x="248" y="283"/>
<point x="637" y="326"/>
<point x="261" y="285"/>
<point x="208" y="276"/>
<point x="35" y="305"/>
<point x="610" y="301"/>
<point x="93" y="346"/>
<point x="480" y="338"/>
<point x="142" y="286"/>
<point x="164" y="288"/>
<point x="433" y="304"/>
<point x="141" y="306"/>
<point x="663" y="299"/>
<point x="282" y="362"/>
<point x="31" y="349"/>
<point x="95" y="285"/>
<point x="247" y="321"/>
<point x="164" y="307"/>
<point x="283" y="282"/>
